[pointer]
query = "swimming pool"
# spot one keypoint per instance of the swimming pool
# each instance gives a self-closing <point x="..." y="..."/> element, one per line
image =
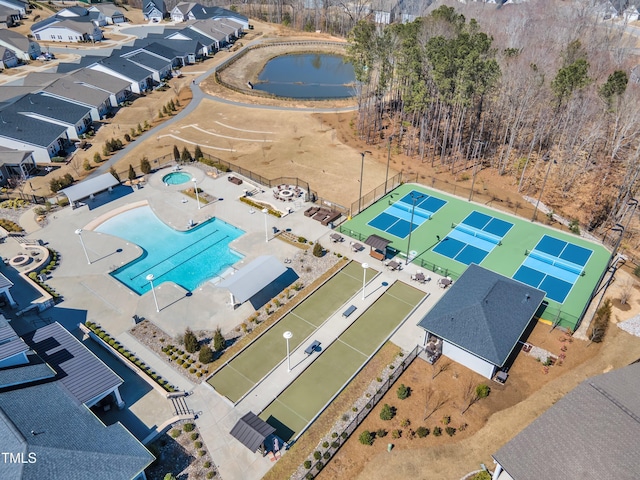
<point x="176" y="178"/>
<point x="186" y="258"/>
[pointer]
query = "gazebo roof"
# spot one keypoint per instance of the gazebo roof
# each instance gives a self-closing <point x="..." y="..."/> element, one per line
<point x="377" y="242"/>
<point x="249" y="280"/>
<point x="251" y="431"/>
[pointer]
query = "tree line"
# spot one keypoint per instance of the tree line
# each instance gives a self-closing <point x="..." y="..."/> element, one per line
<point x="537" y="92"/>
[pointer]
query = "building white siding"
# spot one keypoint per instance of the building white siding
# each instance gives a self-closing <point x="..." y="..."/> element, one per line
<point x="469" y="360"/>
<point x="40" y="154"/>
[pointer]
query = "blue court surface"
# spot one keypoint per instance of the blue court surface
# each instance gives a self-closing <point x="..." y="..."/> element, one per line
<point x="396" y="219"/>
<point x="474" y="238"/>
<point x="553" y="266"/>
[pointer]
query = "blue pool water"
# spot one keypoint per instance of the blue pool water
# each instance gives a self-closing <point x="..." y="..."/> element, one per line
<point x="186" y="258"/>
<point x="176" y="178"/>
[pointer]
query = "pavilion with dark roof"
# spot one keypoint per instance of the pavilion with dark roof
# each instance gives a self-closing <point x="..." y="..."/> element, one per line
<point x="481" y="319"/>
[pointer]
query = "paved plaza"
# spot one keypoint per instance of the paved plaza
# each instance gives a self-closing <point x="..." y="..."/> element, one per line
<point x="90" y="293"/>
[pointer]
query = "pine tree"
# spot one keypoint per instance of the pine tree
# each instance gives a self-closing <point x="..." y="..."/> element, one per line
<point x="197" y="153"/>
<point x="145" y="166"/>
<point x="185" y="156"/>
<point x="218" y="340"/>
<point x="190" y="341"/>
<point x="132" y="173"/>
<point x="176" y="153"/>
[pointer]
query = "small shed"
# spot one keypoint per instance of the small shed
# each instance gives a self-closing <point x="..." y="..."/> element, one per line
<point x="251" y="431"/>
<point x="378" y="246"/>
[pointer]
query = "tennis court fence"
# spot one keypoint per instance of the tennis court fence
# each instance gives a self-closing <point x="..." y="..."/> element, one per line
<point x="348" y="430"/>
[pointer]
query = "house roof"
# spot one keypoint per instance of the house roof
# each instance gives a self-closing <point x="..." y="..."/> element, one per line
<point x="181" y="47"/>
<point x="44" y="23"/>
<point x="34" y="371"/>
<point x="149" y="61"/>
<point x="15" y="39"/>
<point x="208" y="28"/>
<point x="126" y="68"/>
<point x="251" y="431"/>
<point x="73" y="11"/>
<point x="40" y="79"/>
<point x="9" y="156"/>
<point x="50" y="107"/>
<point x="601" y="416"/>
<point x="377" y="242"/>
<point x="108" y="9"/>
<point x="83" y="62"/>
<point x="16" y="3"/>
<point x="252" y="278"/>
<point x="193" y="35"/>
<point x="219" y="12"/>
<point x="223" y="27"/>
<point x="484" y="313"/>
<point x="100" y="80"/>
<point x="89" y="186"/>
<point x="67" y="88"/>
<point x="12" y="347"/>
<point x="6" y="330"/>
<point x="29" y="130"/>
<point x="5" y="282"/>
<point x="185" y="7"/>
<point x="159" y="49"/>
<point x="12" y="93"/>
<point x="68" y="439"/>
<point x="4" y="10"/>
<point x="83" y="374"/>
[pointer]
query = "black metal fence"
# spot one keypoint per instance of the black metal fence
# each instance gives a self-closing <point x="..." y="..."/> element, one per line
<point x="376" y="194"/>
<point x="361" y="415"/>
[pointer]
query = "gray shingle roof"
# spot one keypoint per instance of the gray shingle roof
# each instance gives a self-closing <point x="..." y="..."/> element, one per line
<point x="12" y="347"/>
<point x="9" y="156"/>
<point x="484" y="313"/>
<point x="65" y="87"/>
<point x="29" y="130"/>
<point x="126" y="68"/>
<point x="14" y="38"/>
<point x="159" y="49"/>
<point x="78" y="369"/>
<point x="592" y="432"/>
<point x="100" y="80"/>
<point x="36" y="370"/>
<point x="251" y="431"/>
<point x="50" y="107"/>
<point x="193" y="35"/>
<point x="68" y="440"/>
<point x="149" y="61"/>
<point x="5" y="282"/>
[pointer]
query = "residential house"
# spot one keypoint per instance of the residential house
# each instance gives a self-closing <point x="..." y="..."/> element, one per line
<point x="140" y="79"/>
<point x="154" y="10"/>
<point x="49" y="382"/>
<point x="186" y="51"/>
<point x="599" y="420"/>
<point x="226" y="14"/>
<point x="68" y="30"/>
<point x="159" y="66"/>
<point x="9" y="17"/>
<point x="19" y="5"/>
<point x="211" y="29"/>
<point x="112" y="14"/>
<point x="24" y="48"/>
<point x="8" y="58"/>
<point x="185" y="11"/>
<point x="21" y="132"/>
<point x="236" y="28"/>
<point x="482" y="319"/>
<point x="18" y="164"/>
<point x="118" y="89"/>
<point x="74" y="117"/>
<point x="208" y="44"/>
<point x="162" y="51"/>
<point x="66" y="89"/>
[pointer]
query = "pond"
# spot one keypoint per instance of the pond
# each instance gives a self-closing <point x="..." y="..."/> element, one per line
<point x="311" y="76"/>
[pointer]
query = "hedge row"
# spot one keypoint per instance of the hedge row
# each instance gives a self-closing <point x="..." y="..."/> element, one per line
<point x="271" y="211"/>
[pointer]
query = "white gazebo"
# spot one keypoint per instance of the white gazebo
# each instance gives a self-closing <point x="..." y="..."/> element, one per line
<point x="89" y="188"/>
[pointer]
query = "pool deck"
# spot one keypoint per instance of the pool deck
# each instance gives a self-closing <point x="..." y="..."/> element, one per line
<point x="90" y="293"/>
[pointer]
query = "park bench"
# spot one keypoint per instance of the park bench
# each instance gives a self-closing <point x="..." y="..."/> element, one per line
<point x="311" y="348"/>
<point x="349" y="311"/>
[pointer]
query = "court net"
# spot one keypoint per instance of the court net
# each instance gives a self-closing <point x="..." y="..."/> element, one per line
<point x="556" y="262"/>
<point x="489" y="237"/>
<point x="420" y="212"/>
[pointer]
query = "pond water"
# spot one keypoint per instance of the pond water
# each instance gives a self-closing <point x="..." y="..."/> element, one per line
<point x="309" y="75"/>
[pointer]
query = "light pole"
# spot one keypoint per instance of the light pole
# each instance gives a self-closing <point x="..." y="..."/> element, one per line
<point x="287" y="335"/>
<point x="150" y="278"/>
<point x="195" y="189"/>
<point x="364" y="277"/>
<point x="386" y="177"/>
<point x="362" y="154"/>
<point x="544" y="182"/>
<point x="414" y="199"/>
<point x="266" y="230"/>
<point x="79" y="233"/>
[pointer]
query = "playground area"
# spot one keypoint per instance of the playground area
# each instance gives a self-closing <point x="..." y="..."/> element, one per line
<point x="445" y="234"/>
<point x="307" y="396"/>
<point x="251" y="365"/>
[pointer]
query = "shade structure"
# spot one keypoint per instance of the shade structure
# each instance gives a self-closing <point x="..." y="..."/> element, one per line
<point x="251" y="431"/>
<point x="249" y="280"/>
<point x="89" y="187"/>
<point x="377" y="243"/>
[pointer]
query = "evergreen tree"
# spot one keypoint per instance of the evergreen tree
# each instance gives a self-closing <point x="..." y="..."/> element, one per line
<point x="190" y="341"/>
<point x="176" y="153"/>
<point x="132" y="173"/>
<point x="113" y="172"/>
<point x="185" y="156"/>
<point x="218" y="340"/>
<point x="145" y="166"/>
<point x="197" y="153"/>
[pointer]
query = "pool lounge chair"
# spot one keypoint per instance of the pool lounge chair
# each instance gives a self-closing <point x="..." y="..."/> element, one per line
<point x="331" y="217"/>
<point x="311" y="211"/>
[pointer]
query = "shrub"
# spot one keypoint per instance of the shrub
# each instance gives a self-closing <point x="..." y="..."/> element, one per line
<point x="145" y="166"/>
<point x="484" y="475"/>
<point x="366" y="438"/>
<point x="574" y="226"/>
<point x="344" y="435"/>
<point x="302" y="240"/>
<point x="206" y="464"/>
<point x="422" y="432"/>
<point x="97" y="157"/>
<point x="450" y="431"/>
<point x="317" y="455"/>
<point x="335" y="444"/>
<point x="387" y="412"/>
<point x="189" y="427"/>
<point x="318" y="251"/>
<point x="202" y="453"/>
<point x="381" y="432"/>
<point x="326" y="455"/>
<point x="325" y="444"/>
<point x="600" y="322"/>
<point x="396" y="433"/>
<point x="482" y="391"/>
<point x="319" y="466"/>
<point x="334" y="435"/>
<point x="127" y="137"/>
<point x="211" y="474"/>
<point x="218" y="340"/>
<point x="446" y="420"/>
<point x="175" y="433"/>
<point x="308" y="476"/>
<point x="58" y="183"/>
<point x="205" y="355"/>
<point x="307" y="464"/>
<point x="190" y="341"/>
<point x="63" y="202"/>
<point x="405" y="423"/>
<point x="437" y="431"/>
<point x="403" y="392"/>
<point x="197" y="444"/>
